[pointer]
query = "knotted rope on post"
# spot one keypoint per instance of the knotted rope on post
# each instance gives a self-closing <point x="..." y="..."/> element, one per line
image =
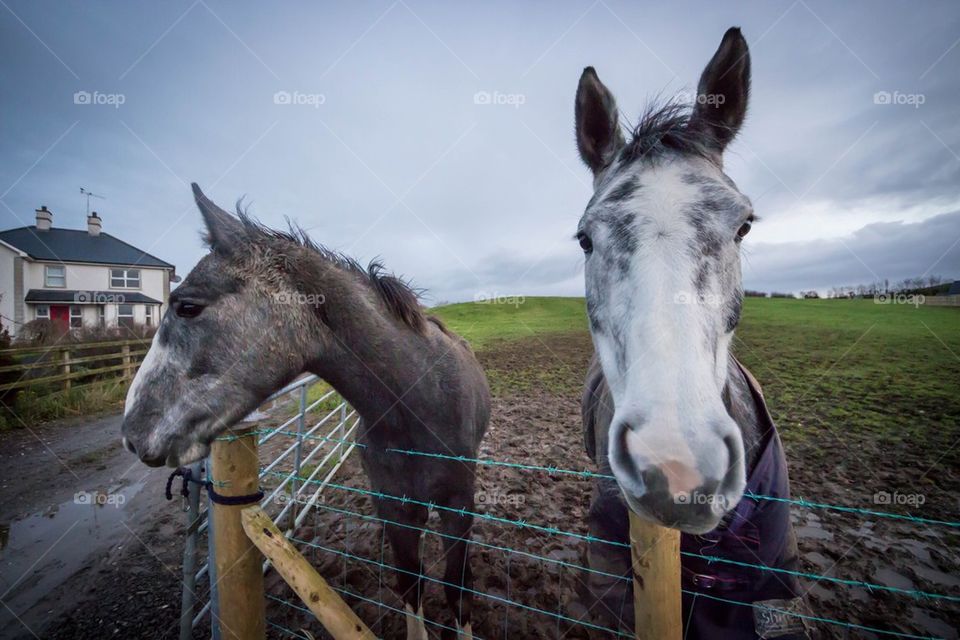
<point x="214" y="497"/>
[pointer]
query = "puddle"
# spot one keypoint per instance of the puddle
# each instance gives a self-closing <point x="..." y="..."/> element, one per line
<point x="42" y="551"/>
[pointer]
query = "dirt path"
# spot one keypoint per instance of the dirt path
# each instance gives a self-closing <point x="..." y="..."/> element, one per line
<point x="78" y="514"/>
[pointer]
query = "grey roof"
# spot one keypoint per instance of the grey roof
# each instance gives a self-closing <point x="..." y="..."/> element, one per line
<point x="74" y="245"/>
<point x="73" y="296"/>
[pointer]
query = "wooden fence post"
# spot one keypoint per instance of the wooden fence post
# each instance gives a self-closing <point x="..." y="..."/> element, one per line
<point x="126" y="360"/>
<point x="656" y="580"/>
<point x="333" y="613"/>
<point x="65" y="358"/>
<point x="239" y="565"/>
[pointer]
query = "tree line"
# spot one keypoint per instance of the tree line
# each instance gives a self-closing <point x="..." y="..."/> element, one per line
<point x="927" y="285"/>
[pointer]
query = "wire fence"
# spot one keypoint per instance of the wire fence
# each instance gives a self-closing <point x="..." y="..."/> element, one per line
<point x="300" y="467"/>
<point x="304" y="460"/>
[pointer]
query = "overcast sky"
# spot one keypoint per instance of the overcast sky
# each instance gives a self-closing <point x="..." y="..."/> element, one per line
<point x="377" y="144"/>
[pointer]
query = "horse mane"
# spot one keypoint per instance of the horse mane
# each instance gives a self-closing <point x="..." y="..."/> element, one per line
<point x="666" y="126"/>
<point x="399" y="296"/>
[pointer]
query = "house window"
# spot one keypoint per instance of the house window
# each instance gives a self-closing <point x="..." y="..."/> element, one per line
<point x="125" y="315"/>
<point x="149" y="317"/>
<point x="101" y="316"/>
<point x="43" y="311"/>
<point x="55" y="276"/>
<point x="76" y="317"/>
<point x="125" y="278"/>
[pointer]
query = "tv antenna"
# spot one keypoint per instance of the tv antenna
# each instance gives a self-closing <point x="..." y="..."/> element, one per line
<point x="89" y="195"/>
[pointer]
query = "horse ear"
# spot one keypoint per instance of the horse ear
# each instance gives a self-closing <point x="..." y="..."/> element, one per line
<point x="598" y="129"/>
<point x="724" y="90"/>
<point x="223" y="230"/>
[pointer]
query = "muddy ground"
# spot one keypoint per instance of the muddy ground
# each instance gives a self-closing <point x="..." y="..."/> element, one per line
<point x="117" y="573"/>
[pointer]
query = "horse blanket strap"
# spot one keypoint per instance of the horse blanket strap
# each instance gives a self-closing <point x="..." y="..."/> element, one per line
<point x="756" y="532"/>
<point x="216" y="498"/>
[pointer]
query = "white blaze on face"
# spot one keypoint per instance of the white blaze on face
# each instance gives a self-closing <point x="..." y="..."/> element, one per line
<point x="661" y="339"/>
<point x="653" y="305"/>
<point x="155" y="358"/>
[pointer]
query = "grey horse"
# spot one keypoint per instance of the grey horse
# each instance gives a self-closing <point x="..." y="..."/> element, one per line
<point x="264" y="306"/>
<point x="678" y="425"/>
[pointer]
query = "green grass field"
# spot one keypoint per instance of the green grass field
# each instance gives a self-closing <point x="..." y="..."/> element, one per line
<point x="483" y="323"/>
<point x="892" y="369"/>
<point x="856" y="364"/>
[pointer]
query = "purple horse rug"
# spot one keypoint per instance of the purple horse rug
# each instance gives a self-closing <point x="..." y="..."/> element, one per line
<point x="725" y="600"/>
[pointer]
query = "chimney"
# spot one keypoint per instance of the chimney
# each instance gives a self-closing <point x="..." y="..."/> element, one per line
<point x="94" y="224"/>
<point x="44" y="218"/>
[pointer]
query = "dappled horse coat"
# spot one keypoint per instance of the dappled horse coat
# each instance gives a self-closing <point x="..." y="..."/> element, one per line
<point x="755" y="532"/>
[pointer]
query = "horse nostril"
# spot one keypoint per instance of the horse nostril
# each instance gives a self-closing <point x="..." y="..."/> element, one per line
<point x="733" y="479"/>
<point x="735" y="452"/>
<point x="129" y="446"/>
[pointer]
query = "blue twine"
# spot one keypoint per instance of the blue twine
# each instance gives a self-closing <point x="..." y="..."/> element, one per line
<point x="590" y="538"/>
<point x="282" y="628"/>
<point x="800" y="502"/>
<point x="558" y="616"/>
<point x="483" y="594"/>
<point x="347" y="592"/>
<point x="478" y="543"/>
<point x="851" y="625"/>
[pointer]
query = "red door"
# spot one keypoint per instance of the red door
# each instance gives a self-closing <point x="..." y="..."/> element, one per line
<point x="60" y="314"/>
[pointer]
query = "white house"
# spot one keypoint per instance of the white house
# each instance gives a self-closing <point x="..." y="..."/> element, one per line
<point x="78" y="277"/>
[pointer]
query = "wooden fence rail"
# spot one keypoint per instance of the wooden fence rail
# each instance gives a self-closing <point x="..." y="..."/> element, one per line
<point x="62" y="365"/>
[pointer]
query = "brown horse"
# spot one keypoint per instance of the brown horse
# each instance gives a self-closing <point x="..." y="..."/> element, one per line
<point x="263" y="307"/>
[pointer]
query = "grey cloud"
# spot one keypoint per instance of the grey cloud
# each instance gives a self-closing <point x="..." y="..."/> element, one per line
<point x="494" y="191"/>
<point x="883" y="250"/>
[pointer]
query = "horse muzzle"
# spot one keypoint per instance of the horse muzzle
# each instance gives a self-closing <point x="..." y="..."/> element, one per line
<point x="687" y="483"/>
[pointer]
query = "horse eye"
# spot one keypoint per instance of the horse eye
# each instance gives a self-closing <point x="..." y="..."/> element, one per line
<point x="585" y="242"/>
<point x="187" y="309"/>
<point x="744" y="229"/>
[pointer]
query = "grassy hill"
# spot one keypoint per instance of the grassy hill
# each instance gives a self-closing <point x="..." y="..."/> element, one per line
<point x="847" y="364"/>
<point x="484" y="322"/>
